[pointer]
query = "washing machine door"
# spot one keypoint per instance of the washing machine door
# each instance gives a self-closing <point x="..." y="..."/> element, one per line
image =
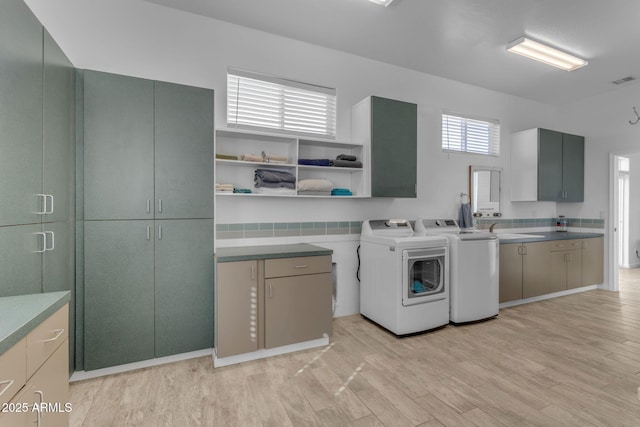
<point x="423" y="275"/>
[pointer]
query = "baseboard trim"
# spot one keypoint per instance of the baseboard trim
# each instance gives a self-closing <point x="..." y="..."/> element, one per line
<point x="96" y="373"/>
<point x="549" y="296"/>
<point x="267" y="352"/>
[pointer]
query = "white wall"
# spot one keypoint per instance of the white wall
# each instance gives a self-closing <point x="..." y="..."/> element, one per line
<point x="146" y="40"/>
<point x="634" y="209"/>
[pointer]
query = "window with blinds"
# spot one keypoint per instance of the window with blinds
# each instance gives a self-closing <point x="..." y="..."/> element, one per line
<point x="257" y="101"/>
<point x="470" y="135"/>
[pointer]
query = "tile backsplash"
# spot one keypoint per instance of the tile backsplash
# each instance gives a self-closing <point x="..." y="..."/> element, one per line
<point x="289" y="229"/>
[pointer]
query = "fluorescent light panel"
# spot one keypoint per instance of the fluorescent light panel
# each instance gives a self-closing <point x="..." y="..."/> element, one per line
<point x="546" y="54"/>
<point x="384" y="3"/>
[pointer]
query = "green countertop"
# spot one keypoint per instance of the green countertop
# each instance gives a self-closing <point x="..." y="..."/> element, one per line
<point x="245" y="253"/>
<point x="21" y="314"/>
<point x="551" y="235"/>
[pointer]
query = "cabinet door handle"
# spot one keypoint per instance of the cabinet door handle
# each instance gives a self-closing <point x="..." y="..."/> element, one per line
<point x="8" y="383"/>
<point x="148" y="232"/>
<point x="253" y="272"/>
<point x="270" y="291"/>
<point x="39" y="413"/>
<point x="50" y="197"/>
<point x="159" y="205"/>
<point x="44" y="241"/>
<point x="302" y="266"/>
<point x="43" y="204"/>
<point x="59" y="332"/>
<point x="53" y="240"/>
<point x="159" y="232"/>
<point x="148" y="205"/>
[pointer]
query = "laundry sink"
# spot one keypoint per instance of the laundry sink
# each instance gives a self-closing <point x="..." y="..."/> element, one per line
<point x="518" y="236"/>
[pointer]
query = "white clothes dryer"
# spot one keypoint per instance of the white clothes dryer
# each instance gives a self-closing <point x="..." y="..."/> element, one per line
<point x="404" y="277"/>
<point x="473" y="268"/>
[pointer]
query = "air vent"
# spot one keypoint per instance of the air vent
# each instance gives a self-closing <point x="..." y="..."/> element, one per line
<point x="623" y="80"/>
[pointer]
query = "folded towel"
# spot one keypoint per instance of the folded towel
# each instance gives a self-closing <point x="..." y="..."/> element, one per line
<point x="252" y="158"/>
<point x="341" y="192"/>
<point x="276" y="159"/>
<point x="276" y="191"/>
<point x="314" y="193"/>
<point x="270" y="175"/>
<point x="314" y="162"/>
<point x="259" y="183"/>
<point x="349" y="157"/>
<point x="224" y="186"/>
<point x="315" y="185"/>
<point x="242" y="190"/>
<point x="338" y="163"/>
<point x="226" y="157"/>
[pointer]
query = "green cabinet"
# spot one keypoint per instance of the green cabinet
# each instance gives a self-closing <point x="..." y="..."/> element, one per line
<point x="550" y="166"/>
<point x="118" y="292"/>
<point x="390" y="129"/>
<point x="183" y="286"/>
<point x="148" y="149"/>
<point x="20" y="114"/>
<point x="118" y="147"/>
<point x="36" y="157"/>
<point x="148" y="174"/>
<point x="184" y="183"/>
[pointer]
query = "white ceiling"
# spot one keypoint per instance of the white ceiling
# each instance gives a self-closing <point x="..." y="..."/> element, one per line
<point x="462" y="40"/>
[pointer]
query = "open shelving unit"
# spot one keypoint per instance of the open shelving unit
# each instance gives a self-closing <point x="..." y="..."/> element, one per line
<point x="240" y="173"/>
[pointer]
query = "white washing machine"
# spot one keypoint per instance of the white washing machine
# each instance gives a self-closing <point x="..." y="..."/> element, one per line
<point x="473" y="268"/>
<point x="404" y="277"/>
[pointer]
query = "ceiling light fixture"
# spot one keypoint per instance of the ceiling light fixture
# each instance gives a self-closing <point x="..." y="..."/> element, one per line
<point x="384" y="3"/>
<point x="543" y="53"/>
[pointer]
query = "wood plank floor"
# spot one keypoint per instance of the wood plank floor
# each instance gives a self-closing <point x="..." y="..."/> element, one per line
<point x="570" y="361"/>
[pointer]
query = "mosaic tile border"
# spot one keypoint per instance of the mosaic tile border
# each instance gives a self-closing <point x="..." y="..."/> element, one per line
<point x="287" y="229"/>
<point x="292" y="229"/>
<point x="484" y="223"/>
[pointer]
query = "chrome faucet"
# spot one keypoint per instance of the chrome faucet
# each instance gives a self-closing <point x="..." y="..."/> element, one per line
<point x="491" y="227"/>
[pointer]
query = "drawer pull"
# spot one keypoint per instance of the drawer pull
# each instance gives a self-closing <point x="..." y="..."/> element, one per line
<point x="59" y="332"/>
<point x="8" y="383"/>
<point x="302" y="266"/>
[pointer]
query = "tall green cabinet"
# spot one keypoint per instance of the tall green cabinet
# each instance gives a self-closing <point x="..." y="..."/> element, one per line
<point x="390" y="129"/>
<point x="36" y="157"/>
<point x="148" y="219"/>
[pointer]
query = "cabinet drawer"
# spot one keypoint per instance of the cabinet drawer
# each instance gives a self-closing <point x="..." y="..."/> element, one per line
<point x="284" y="267"/>
<point x="43" y="340"/>
<point x="564" y="245"/>
<point x="13" y="370"/>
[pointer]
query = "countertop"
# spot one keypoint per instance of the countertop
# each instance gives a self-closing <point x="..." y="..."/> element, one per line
<point x="245" y="253"/>
<point x="21" y="314"/>
<point x="552" y="235"/>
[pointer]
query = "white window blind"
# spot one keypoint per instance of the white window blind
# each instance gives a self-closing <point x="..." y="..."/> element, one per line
<point x="470" y="135"/>
<point x="258" y="101"/>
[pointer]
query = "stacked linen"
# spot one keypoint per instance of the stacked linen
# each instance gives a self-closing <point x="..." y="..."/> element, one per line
<point x="346" y="161"/>
<point x="314" y="162"/>
<point x="224" y="188"/>
<point x="274" y="181"/>
<point x="315" y="187"/>
<point x="264" y="158"/>
<point x="341" y="192"/>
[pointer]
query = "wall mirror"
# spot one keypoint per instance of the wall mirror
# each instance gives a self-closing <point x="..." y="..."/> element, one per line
<point x="484" y="191"/>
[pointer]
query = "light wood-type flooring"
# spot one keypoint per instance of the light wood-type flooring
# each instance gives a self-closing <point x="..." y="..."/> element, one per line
<point x="570" y="361"/>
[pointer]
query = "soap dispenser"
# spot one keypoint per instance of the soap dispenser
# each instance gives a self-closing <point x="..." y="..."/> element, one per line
<point x="561" y="223"/>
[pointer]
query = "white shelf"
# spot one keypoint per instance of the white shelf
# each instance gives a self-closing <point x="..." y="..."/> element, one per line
<point x="240" y="173"/>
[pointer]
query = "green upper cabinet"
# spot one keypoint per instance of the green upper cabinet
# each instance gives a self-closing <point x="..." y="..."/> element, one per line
<point x="148" y="149"/>
<point x="183" y="151"/>
<point x="390" y="129"/>
<point x="59" y="132"/>
<point x="118" y="147"/>
<point x="550" y="166"/>
<point x="20" y="114"/>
